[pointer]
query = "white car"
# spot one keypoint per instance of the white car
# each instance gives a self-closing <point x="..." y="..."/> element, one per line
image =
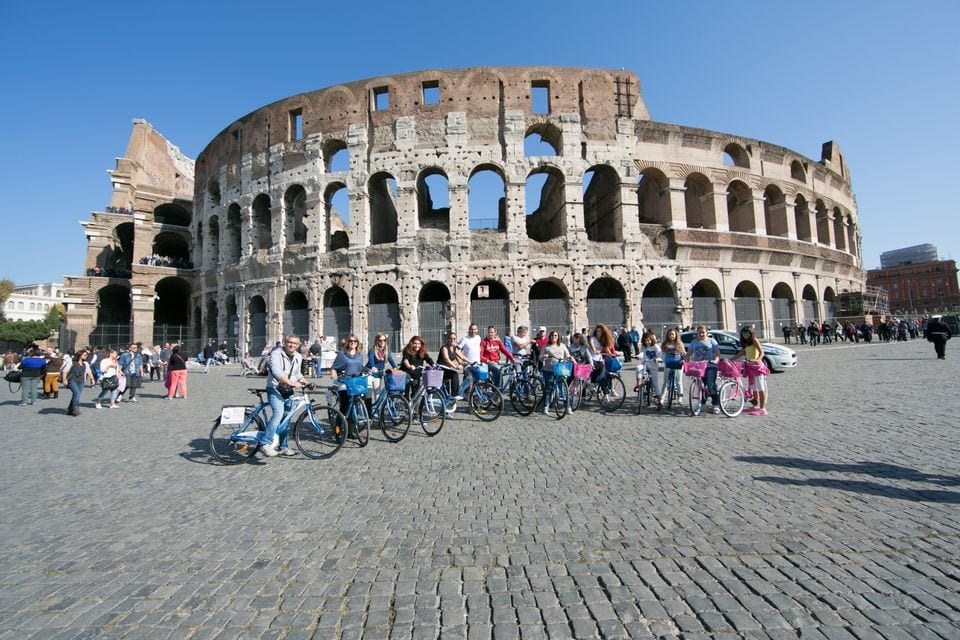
<point x="776" y="356"/>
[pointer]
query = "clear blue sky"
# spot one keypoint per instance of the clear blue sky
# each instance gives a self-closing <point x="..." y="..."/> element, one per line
<point x="878" y="77"/>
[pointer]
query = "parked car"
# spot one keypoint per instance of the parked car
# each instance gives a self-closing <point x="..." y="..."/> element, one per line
<point x="776" y="356"/>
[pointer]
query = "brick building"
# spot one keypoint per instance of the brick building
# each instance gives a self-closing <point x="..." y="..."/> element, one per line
<point x="927" y="286"/>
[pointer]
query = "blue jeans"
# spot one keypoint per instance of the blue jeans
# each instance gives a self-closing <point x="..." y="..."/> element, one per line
<point x="29" y="389"/>
<point x="75" y="389"/>
<point x="276" y="416"/>
<point x="547" y="386"/>
<point x="206" y="365"/>
<point x="710" y="378"/>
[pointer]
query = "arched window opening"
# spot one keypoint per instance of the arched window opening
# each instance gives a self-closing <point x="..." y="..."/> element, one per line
<point x="781" y="306"/>
<point x="487" y="199"/>
<point x="490" y="306"/>
<point x="171" y="313"/>
<point x="383" y="209"/>
<point x="113" y="317"/>
<point x="707" y="305"/>
<point x="172" y="214"/>
<point x="261" y="231"/>
<point x="740" y="208"/>
<point x="602" y="211"/>
<point x="296" y="315"/>
<point x="434" y="313"/>
<point x="233" y="238"/>
<point x="839" y="232"/>
<point x="542" y="139"/>
<point x="546" y="204"/>
<point x="550" y="307"/>
<point x="116" y="258"/>
<point x="295" y="205"/>
<point x="212" y="318"/>
<point x="433" y="200"/>
<point x="801" y="212"/>
<point x="829" y="304"/>
<point x="336" y="157"/>
<point x="747" y="307"/>
<point x="337" y="205"/>
<point x="735" y="156"/>
<point x="606" y="303"/>
<point x="659" y="306"/>
<point x="213" y="194"/>
<point x="169" y="250"/>
<point x="823" y="224"/>
<point x="797" y="172"/>
<point x="698" y="202"/>
<point x="653" y="197"/>
<point x="384" y="317"/>
<point x="257" y="311"/>
<point x="775" y="212"/>
<point x="851" y="236"/>
<point x="337" y="323"/>
<point x="233" y="323"/>
<point x="809" y="297"/>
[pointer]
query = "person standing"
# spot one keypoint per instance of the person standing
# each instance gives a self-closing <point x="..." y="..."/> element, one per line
<point x="283" y="371"/>
<point x="470" y="345"/>
<point x="31" y="372"/>
<point x="131" y="364"/>
<point x="51" y="375"/>
<point x="451" y="357"/>
<point x="490" y="349"/>
<point x="109" y="379"/>
<point x="752" y="351"/>
<point x="209" y="356"/>
<point x="553" y="352"/>
<point x="706" y="349"/>
<point x="177" y="367"/>
<point x="938" y="333"/>
<point x="74" y="377"/>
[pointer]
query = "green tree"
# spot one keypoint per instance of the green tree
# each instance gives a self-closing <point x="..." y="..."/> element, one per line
<point x="6" y="288"/>
<point x="24" y="331"/>
<point x="55" y="316"/>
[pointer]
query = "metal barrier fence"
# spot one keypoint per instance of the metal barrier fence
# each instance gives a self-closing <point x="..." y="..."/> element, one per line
<point x="608" y="311"/>
<point x="748" y="312"/>
<point x="385" y="318"/>
<point x="706" y="312"/>
<point x="434" y="325"/>
<point x="493" y="312"/>
<point x="659" y="314"/>
<point x="552" y="313"/>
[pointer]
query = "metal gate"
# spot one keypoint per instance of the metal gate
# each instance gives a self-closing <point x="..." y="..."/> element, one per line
<point x="297" y="322"/>
<point x="491" y="312"/>
<point x="552" y="313"/>
<point x="829" y="310"/>
<point x="177" y="334"/>
<point x="659" y="314"/>
<point x="336" y="324"/>
<point x="608" y="311"/>
<point x="706" y="312"/>
<point x="258" y="333"/>
<point x="114" y="336"/>
<point x="749" y="313"/>
<point x="782" y="309"/>
<point x="385" y="318"/>
<point x="434" y="323"/>
<point x="810" y="310"/>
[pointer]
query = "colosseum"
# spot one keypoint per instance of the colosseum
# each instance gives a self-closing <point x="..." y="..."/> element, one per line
<point x="420" y="202"/>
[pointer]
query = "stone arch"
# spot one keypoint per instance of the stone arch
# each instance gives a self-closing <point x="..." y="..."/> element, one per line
<point x="698" y="202"/>
<point x="748" y="307"/>
<point x="261" y="227"/>
<point x="546" y="204"/>
<point x="116" y="259"/>
<point x="775" y="211"/>
<point x="606" y="303"/>
<point x="797" y="172"/>
<point x="336" y="202"/>
<point x="171" y="304"/>
<point x="336" y="156"/>
<point x="736" y="156"/>
<point x="172" y="214"/>
<point x="653" y="197"/>
<point x="543" y="139"/>
<point x="296" y="315"/>
<point x="233" y="238"/>
<point x="172" y="246"/>
<point x="740" y="211"/>
<point x="707" y="304"/>
<point x="658" y="304"/>
<point x="823" y="223"/>
<point x="257" y="314"/>
<point x="213" y="193"/>
<point x="801" y="212"/>
<point x="213" y="230"/>
<point x="829" y="304"/>
<point x="337" y="322"/>
<point x="809" y="298"/>
<point x="781" y="306"/>
<point x="295" y="209"/>
<point x="433" y="199"/>
<point x="490" y="305"/>
<point x="434" y="312"/>
<point x="602" y="208"/>
<point x="549" y="303"/>
<point x="113" y="305"/>
<point x="212" y="317"/>
<point x="382" y="190"/>
<point x="487" y="198"/>
<point x="383" y="315"/>
<point x="839" y="232"/>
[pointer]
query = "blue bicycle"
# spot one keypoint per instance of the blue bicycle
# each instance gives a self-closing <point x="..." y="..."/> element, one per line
<point x="557" y="397"/>
<point x="318" y="430"/>
<point x="391" y="407"/>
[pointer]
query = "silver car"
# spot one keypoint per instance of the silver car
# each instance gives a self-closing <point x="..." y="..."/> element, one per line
<point x="776" y="356"/>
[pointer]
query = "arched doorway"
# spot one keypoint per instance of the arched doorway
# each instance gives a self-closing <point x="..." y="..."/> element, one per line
<point x="829" y="304"/>
<point x="707" y="305"/>
<point x="781" y="306"/>
<point x="606" y="303"/>
<point x="384" y="316"/>
<point x="257" y="311"/>
<point x="296" y="316"/>
<point x="337" y="323"/>
<point x="171" y="313"/>
<point x="746" y="304"/>
<point x="113" y="317"/>
<point x="809" y="297"/>
<point x="659" y="306"/>
<point x="212" y="313"/>
<point x="233" y="324"/>
<point x="550" y="307"/>
<point x="490" y="306"/>
<point x="434" y="313"/>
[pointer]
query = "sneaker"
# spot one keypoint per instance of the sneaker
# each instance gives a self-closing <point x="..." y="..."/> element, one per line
<point x="287" y="451"/>
<point x="98" y="406"/>
<point x="132" y="400"/>
<point x="636" y="388"/>
<point x="269" y="450"/>
<point x="546" y="411"/>
<point x="716" y="409"/>
<point x="458" y="397"/>
<point x="167" y="398"/>
<point x="760" y="412"/>
<point x="114" y="406"/>
<point x="750" y="410"/>
<point x="23" y="404"/>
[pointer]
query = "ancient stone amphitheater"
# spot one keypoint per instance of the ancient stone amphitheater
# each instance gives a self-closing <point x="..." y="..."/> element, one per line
<point x="421" y="202"/>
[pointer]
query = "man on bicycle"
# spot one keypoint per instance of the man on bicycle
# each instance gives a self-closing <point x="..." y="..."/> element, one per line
<point x="283" y="370"/>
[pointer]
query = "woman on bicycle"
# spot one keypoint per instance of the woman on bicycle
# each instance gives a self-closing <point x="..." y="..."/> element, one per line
<point x="348" y="363"/>
<point x="752" y="351"/>
<point x="601" y="346"/>
<point x="578" y="348"/>
<point x="672" y="348"/>
<point x="415" y="357"/>
<point x="378" y="357"/>
<point x="452" y="357"/>
<point x="706" y="349"/>
<point x="650" y="353"/>
<point x="553" y="351"/>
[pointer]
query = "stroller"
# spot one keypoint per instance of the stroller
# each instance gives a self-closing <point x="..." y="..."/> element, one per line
<point x="249" y="369"/>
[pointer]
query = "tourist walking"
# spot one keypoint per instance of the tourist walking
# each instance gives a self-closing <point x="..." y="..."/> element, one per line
<point x="74" y="377"/>
<point x="176" y="374"/>
<point x="51" y="375"/>
<point x="131" y="364"/>
<point x="938" y="333"/>
<point x="109" y="379"/>
<point x="31" y="372"/>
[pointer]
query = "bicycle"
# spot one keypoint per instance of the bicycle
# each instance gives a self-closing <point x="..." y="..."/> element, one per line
<point x="391" y="408"/>
<point x="609" y="391"/>
<point x="698" y="386"/>
<point x="523" y="384"/>
<point x="318" y="431"/>
<point x="672" y="365"/>
<point x="486" y="400"/>
<point x="358" y="418"/>
<point x="429" y="403"/>
<point x="645" y="391"/>
<point x="732" y="392"/>
<point x="578" y="384"/>
<point x="559" y="398"/>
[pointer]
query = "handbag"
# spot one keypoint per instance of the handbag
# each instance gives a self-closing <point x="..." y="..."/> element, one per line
<point x="612" y="363"/>
<point x="109" y="384"/>
<point x="285" y="390"/>
<point x="12" y="376"/>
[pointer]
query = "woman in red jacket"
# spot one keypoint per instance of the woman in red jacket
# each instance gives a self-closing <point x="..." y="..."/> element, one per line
<point x="490" y="349"/>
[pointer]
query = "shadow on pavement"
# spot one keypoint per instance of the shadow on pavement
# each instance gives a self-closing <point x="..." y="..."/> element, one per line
<point x="875" y="469"/>
<point x="871" y="488"/>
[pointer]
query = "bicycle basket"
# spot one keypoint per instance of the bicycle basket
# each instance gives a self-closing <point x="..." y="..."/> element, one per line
<point x="479" y="372"/>
<point x="694" y="369"/>
<point x="582" y="371"/>
<point x="396" y="382"/>
<point x="357" y="385"/>
<point x="729" y="368"/>
<point x="433" y="378"/>
<point x="562" y="369"/>
<point x="672" y="361"/>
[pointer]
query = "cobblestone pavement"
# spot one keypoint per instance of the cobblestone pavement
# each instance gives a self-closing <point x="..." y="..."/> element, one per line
<point x="836" y="516"/>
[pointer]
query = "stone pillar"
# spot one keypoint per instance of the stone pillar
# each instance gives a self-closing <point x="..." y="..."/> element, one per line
<point x="141" y="313"/>
<point x="759" y="217"/>
<point x="726" y="294"/>
<point x="720" y="210"/>
<point x="516" y="215"/>
<point x="459" y="208"/>
<point x="629" y="212"/>
<point x="243" y="321"/>
<point x="674" y="198"/>
<point x="407" y="212"/>
<point x="789" y="210"/>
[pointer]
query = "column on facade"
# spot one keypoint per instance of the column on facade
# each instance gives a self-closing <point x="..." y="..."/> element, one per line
<point x="727" y="291"/>
<point x="246" y="228"/>
<point x="759" y="219"/>
<point x="790" y="211"/>
<point x="407" y="211"/>
<point x="629" y="211"/>
<point x="459" y="207"/>
<point x="720" y="209"/>
<point x="676" y="205"/>
<point x="359" y="216"/>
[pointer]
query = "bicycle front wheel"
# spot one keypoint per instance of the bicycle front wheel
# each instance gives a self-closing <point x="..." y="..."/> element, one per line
<point x="696" y="397"/>
<point x="432" y="412"/>
<point x="486" y="401"/>
<point x="671" y="382"/>
<point x="361" y="423"/>
<point x="395" y="418"/>
<point x="576" y="393"/>
<point x="560" y="400"/>
<point x="731" y="399"/>
<point x="611" y="393"/>
<point x="525" y="396"/>
<point x="320" y="431"/>
<point x="230" y="444"/>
